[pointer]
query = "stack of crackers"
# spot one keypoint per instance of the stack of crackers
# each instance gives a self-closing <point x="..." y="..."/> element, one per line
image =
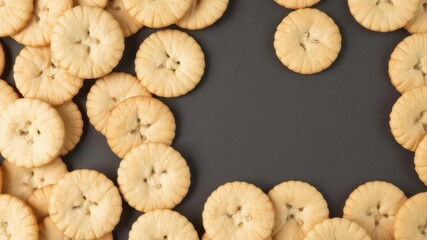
<point x="67" y="42"/>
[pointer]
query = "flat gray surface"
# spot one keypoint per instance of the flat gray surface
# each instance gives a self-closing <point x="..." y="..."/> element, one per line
<point x="251" y="119"/>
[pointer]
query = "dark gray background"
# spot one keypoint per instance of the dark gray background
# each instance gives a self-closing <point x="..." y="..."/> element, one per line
<point x="252" y="119"/>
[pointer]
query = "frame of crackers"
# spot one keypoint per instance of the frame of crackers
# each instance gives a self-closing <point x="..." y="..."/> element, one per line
<point x="68" y="41"/>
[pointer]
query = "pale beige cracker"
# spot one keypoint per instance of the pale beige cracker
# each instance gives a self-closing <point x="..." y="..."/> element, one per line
<point x="163" y="224"/>
<point x="1" y="180"/>
<point x="383" y="15"/>
<point x="85" y="204"/>
<point x="408" y="118"/>
<point x="73" y="123"/>
<point x="170" y="63"/>
<point x="14" y="15"/>
<point x="48" y="231"/>
<point x="2" y="59"/>
<point x="39" y="202"/>
<point x="36" y="76"/>
<point x="295" y="4"/>
<point x="92" y="3"/>
<point x="128" y="24"/>
<point x="159" y="13"/>
<point x="408" y="63"/>
<point x="153" y="176"/>
<point x="307" y="41"/>
<point x="139" y="120"/>
<point x="411" y="219"/>
<point x="418" y="23"/>
<point x="32" y="133"/>
<point x="107" y="93"/>
<point x="7" y="95"/>
<point x="17" y="220"/>
<point x="203" y="13"/>
<point x="420" y="160"/>
<point x="236" y="211"/>
<point x="22" y="182"/>
<point x="337" y="228"/>
<point x="87" y="42"/>
<point x="298" y="207"/>
<point x="374" y="206"/>
<point x="45" y="14"/>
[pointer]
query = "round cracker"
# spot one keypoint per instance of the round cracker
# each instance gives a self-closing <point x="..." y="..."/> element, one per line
<point x="107" y="93"/>
<point x="45" y="14"/>
<point x="298" y="207"/>
<point x="91" y="3"/>
<point x="32" y="133"/>
<point x="307" y="41"/>
<point x="87" y="41"/>
<point x="7" y="95"/>
<point x="36" y="76"/>
<point x="418" y="24"/>
<point x="48" y="231"/>
<point x="153" y="176"/>
<point x="85" y="204"/>
<point x="2" y="59"/>
<point x="170" y="63"/>
<point x="73" y="124"/>
<point x="163" y="224"/>
<point x="22" y="182"/>
<point x="408" y="118"/>
<point x="295" y="4"/>
<point x="139" y="120"/>
<point x="39" y="202"/>
<point x="128" y="24"/>
<point x="420" y="160"/>
<point x="238" y="210"/>
<point x="411" y="219"/>
<point x="17" y="220"/>
<point x="157" y="14"/>
<point x="383" y="15"/>
<point x="337" y="228"/>
<point x="408" y="63"/>
<point x="203" y="13"/>
<point x="14" y="15"/>
<point x="373" y="206"/>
